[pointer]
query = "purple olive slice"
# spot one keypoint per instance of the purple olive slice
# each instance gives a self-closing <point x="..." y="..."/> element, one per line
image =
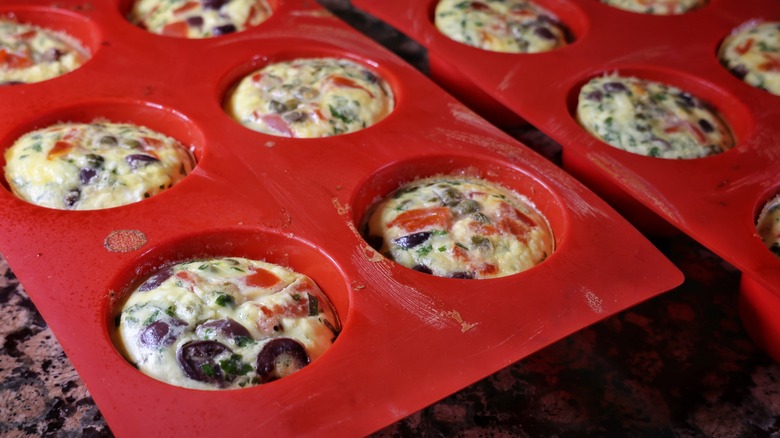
<point x="279" y="358"/>
<point x="198" y="360"/>
<point x="156" y="280"/>
<point x="162" y="333"/>
<point x="411" y="240"/>
<point x="228" y="328"/>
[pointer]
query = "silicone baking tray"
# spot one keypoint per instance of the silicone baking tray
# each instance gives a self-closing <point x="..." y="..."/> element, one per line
<point x="717" y="199"/>
<point x="408" y="338"/>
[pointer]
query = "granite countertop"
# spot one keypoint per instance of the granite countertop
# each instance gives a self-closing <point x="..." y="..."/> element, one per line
<point x="680" y="364"/>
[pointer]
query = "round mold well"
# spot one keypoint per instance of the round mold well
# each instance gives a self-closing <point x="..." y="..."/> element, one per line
<point x="125" y="8"/>
<point x="290" y="252"/>
<point x="574" y="20"/>
<point x="156" y="117"/>
<point x="735" y="114"/>
<point x="747" y="25"/>
<point x="385" y="180"/>
<point x="304" y="49"/>
<point x="630" y="11"/>
<point x="73" y="25"/>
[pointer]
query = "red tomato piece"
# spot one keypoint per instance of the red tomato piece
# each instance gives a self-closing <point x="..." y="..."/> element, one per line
<point x="479" y="6"/>
<point x="262" y="278"/>
<point x="60" y="148"/>
<point x="488" y="269"/>
<point x="12" y="60"/>
<point x="27" y="35"/>
<point x="341" y="81"/>
<point x="151" y="142"/>
<point x="772" y="63"/>
<point x="423" y="218"/>
<point x="176" y="29"/>
<point x="186" y="7"/>
<point x="483" y="229"/>
<point x="744" y="47"/>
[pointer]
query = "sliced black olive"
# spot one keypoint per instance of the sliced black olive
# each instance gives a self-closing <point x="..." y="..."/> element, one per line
<point x="95" y="161"/>
<point x="52" y="55"/>
<point x="279" y="358"/>
<point x="545" y="33"/>
<point x="198" y="360"/>
<point x="595" y="95"/>
<point x="306" y="93"/>
<point x="687" y="100"/>
<point x="412" y="240"/>
<point x="370" y="77"/>
<point x="195" y="21"/>
<point x="481" y="218"/>
<point x="72" y="197"/>
<point x="450" y="196"/>
<point x="614" y="87"/>
<point x="465" y="275"/>
<point x="466" y="206"/>
<point x="740" y="71"/>
<point x="161" y="333"/>
<point x="108" y="140"/>
<point x="294" y="116"/>
<point x="156" y="280"/>
<point x="86" y="175"/>
<point x="228" y="328"/>
<point x="422" y="268"/>
<point x="277" y="107"/>
<point x="213" y="4"/>
<point x="706" y="126"/>
<point x="137" y="161"/>
<point x="224" y="29"/>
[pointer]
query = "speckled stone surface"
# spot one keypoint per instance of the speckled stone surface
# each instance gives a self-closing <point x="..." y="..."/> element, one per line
<point x="679" y="365"/>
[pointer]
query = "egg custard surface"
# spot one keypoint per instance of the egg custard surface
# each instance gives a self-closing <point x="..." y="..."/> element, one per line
<point x="459" y="227"/>
<point x="752" y="53"/>
<point x="657" y="7"/>
<point x="310" y="98"/>
<point x="224" y="323"/>
<point x="33" y="54"/>
<point x="198" y="18"/>
<point x="651" y="118"/>
<point x="91" y="166"/>
<point x="768" y="225"/>
<point x="512" y="26"/>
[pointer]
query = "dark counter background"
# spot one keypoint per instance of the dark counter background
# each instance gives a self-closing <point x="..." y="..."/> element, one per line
<point x="679" y="365"/>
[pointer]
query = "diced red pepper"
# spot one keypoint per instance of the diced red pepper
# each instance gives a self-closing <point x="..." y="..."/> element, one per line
<point x="488" y="269"/>
<point x="479" y="6"/>
<point x="277" y="123"/>
<point x="27" y="35"/>
<point x="459" y="253"/>
<point x="262" y="278"/>
<point x="341" y="81"/>
<point x="257" y="77"/>
<point x="250" y="16"/>
<point x="152" y="142"/>
<point x="483" y="229"/>
<point x="186" y="7"/>
<point x="514" y="221"/>
<point x="12" y="60"/>
<point x="423" y="218"/>
<point x="188" y="278"/>
<point x="772" y="63"/>
<point x="176" y="29"/>
<point x="60" y="148"/>
<point x="744" y="47"/>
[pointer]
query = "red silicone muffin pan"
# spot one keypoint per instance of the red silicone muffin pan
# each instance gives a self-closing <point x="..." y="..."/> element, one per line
<point x="408" y="338"/>
<point x="716" y="199"/>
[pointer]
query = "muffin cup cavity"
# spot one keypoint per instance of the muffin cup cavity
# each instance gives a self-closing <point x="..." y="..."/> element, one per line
<point x="329" y="296"/>
<point x="549" y="215"/>
<point x="731" y="111"/>
<point x="313" y="93"/>
<point x="161" y="120"/>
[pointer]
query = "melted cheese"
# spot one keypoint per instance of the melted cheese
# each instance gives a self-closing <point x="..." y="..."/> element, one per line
<point x="768" y="225"/>
<point x="198" y="18"/>
<point x="33" y="54"/>
<point x="267" y="300"/>
<point x="460" y="227"/>
<point x="657" y="7"/>
<point x="753" y="55"/>
<point x="651" y="118"/>
<point x="309" y="98"/>
<point x="79" y="166"/>
<point x="515" y="26"/>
